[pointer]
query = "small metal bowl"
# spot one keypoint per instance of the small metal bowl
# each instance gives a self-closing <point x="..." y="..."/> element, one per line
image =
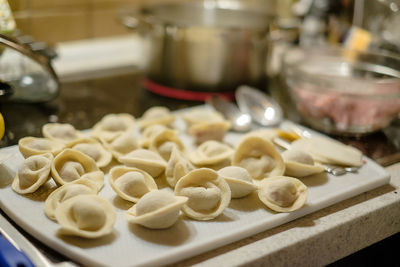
<point x="342" y="91"/>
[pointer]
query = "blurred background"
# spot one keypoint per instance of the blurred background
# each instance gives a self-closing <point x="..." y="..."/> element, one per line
<point x="304" y="22"/>
<point x="54" y="21"/>
<point x="89" y="45"/>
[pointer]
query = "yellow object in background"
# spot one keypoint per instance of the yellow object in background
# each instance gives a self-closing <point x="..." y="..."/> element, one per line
<point x="358" y="39"/>
<point x="2" y="128"/>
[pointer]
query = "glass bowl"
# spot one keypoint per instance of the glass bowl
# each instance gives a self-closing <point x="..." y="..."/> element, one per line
<point x="341" y="91"/>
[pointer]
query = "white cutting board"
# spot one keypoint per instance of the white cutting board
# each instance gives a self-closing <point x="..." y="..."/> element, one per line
<point x="132" y="245"/>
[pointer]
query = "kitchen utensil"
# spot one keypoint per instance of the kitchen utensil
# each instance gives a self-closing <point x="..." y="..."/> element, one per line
<point x="262" y="108"/>
<point x="343" y="91"/>
<point x="203" y="45"/>
<point x="25" y="76"/>
<point x="20" y="242"/>
<point x="241" y="122"/>
<point x="10" y="255"/>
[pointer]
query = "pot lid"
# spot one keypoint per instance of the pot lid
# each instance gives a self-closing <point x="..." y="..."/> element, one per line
<point x="225" y="15"/>
<point x="25" y="76"/>
<point x="222" y="14"/>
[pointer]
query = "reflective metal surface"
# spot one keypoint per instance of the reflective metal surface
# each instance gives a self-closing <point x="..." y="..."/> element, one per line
<point x="241" y="122"/>
<point x="23" y="244"/>
<point x="25" y="76"/>
<point x="262" y="108"/>
<point x="203" y="46"/>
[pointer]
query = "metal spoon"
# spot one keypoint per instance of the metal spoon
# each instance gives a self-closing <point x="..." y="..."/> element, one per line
<point x="241" y="122"/>
<point x="262" y="108"/>
<point x="336" y="170"/>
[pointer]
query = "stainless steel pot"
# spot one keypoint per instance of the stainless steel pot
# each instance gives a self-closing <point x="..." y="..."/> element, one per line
<point x="203" y="46"/>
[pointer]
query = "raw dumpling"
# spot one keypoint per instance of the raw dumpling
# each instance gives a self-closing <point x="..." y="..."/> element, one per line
<point x="146" y="160"/>
<point x="208" y="194"/>
<point x="33" y="173"/>
<point x="148" y="133"/>
<point x="282" y="193"/>
<point x="61" y="132"/>
<point x="156" y="210"/>
<point x="29" y="146"/>
<point x="239" y="181"/>
<point x="329" y="151"/>
<point x="93" y="149"/>
<point x="211" y="152"/>
<point x="209" y="131"/>
<point x="267" y="133"/>
<point x="177" y="167"/>
<point x="206" y="124"/>
<point x="131" y="183"/>
<point x="88" y="216"/>
<point x="201" y="115"/>
<point x="300" y="164"/>
<point x="96" y="177"/>
<point x="71" y="165"/>
<point x="259" y="157"/>
<point x="271" y="133"/>
<point x="67" y="191"/>
<point x="121" y="145"/>
<point x="164" y="142"/>
<point x="156" y="115"/>
<point x="112" y="125"/>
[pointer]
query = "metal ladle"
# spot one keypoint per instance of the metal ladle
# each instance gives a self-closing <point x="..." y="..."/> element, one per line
<point x="261" y="108"/>
<point x="253" y="105"/>
<point x="241" y="122"/>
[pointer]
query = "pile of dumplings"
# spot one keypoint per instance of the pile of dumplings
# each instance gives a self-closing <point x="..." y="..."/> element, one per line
<point x="141" y="151"/>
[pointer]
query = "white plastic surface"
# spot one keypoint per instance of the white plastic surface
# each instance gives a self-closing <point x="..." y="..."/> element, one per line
<point x="132" y="245"/>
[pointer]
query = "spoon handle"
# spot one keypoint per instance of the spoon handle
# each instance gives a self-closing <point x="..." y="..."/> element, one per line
<point x="240" y="122"/>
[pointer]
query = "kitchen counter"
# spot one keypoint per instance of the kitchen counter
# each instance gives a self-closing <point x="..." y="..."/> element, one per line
<point x="320" y="238"/>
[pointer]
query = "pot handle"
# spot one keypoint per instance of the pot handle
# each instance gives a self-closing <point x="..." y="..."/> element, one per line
<point x="131" y="18"/>
<point x="7" y="88"/>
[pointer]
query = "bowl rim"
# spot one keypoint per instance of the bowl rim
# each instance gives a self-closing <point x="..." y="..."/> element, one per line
<point x="289" y="68"/>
